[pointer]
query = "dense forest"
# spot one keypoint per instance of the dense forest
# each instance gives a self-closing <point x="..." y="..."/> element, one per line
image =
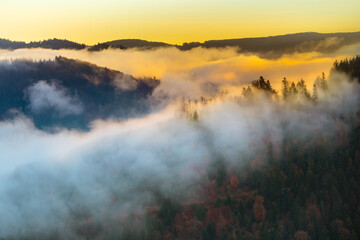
<point x="304" y="190"/>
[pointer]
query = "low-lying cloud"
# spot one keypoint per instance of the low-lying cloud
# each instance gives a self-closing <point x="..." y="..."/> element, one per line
<point x="125" y="82"/>
<point x="57" y="183"/>
<point x="199" y="67"/>
<point x="44" y="96"/>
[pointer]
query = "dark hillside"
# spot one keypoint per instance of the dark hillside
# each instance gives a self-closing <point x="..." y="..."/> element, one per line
<point x="95" y="92"/>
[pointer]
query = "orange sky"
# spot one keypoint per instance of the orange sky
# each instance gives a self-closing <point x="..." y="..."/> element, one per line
<point x="175" y="21"/>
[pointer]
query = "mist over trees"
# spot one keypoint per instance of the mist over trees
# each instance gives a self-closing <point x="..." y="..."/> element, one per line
<point x="102" y="93"/>
<point x="300" y="189"/>
<point x="292" y="174"/>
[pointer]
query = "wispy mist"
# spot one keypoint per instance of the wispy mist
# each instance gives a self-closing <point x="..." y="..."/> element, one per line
<point x="60" y="183"/>
<point x="194" y="69"/>
<point x="44" y="96"/>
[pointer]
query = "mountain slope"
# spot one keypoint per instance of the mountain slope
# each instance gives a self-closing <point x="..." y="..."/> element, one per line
<point x="278" y="45"/>
<point x="70" y="93"/>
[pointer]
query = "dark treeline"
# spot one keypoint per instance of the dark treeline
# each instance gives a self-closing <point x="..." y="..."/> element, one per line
<point x="99" y="47"/>
<point x="349" y="66"/>
<point x="137" y="43"/>
<point x="48" y="44"/>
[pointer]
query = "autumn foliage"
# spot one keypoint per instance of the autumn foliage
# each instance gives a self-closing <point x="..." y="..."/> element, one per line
<point x="259" y="209"/>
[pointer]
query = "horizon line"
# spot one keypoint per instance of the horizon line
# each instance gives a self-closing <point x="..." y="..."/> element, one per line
<point x="220" y="39"/>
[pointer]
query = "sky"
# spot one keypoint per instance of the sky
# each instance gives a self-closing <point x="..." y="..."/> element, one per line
<point x="172" y="21"/>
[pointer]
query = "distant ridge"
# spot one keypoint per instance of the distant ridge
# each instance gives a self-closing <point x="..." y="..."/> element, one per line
<point x="137" y="43"/>
<point x="268" y="47"/>
<point x="48" y="44"/>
